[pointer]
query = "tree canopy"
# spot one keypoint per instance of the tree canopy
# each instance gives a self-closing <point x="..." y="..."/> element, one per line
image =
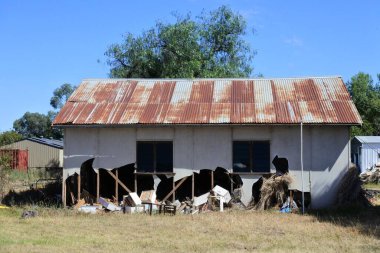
<point x="38" y="124"/>
<point x="211" y="45"/>
<point x="33" y="124"/>
<point x="61" y="95"/>
<point x="9" y="137"/>
<point x="366" y="96"/>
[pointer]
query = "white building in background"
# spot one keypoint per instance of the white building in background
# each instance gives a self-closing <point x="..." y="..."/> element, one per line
<point x="182" y="126"/>
<point x="365" y="152"/>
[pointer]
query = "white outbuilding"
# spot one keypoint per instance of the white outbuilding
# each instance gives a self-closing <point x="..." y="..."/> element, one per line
<point x="365" y="152"/>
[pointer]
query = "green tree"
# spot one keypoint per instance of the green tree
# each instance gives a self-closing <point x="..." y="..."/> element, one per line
<point x="61" y="95"/>
<point x="37" y="124"/>
<point x="366" y="96"/>
<point x="9" y="137"/>
<point x="34" y="125"/>
<point x="211" y="45"/>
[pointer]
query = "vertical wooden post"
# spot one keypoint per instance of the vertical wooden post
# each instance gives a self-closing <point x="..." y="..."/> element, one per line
<point x="135" y="182"/>
<point x="117" y="185"/>
<point x="64" y="192"/>
<point x="173" y="199"/>
<point x="78" y="183"/>
<point x="97" y="185"/>
<point x="192" y="186"/>
<point x="212" y="179"/>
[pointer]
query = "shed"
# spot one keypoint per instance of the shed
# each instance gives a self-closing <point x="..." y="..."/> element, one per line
<point x="365" y="152"/>
<point x="178" y="128"/>
<point x="42" y="152"/>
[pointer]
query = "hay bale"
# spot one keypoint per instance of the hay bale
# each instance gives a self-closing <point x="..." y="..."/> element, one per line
<point x="273" y="192"/>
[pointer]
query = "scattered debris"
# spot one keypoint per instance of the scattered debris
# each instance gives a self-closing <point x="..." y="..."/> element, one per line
<point x="29" y="214"/>
<point x="373" y="196"/>
<point x="132" y="203"/>
<point x="79" y="204"/>
<point x="371" y="176"/>
<point x="148" y="196"/>
<point x="201" y="199"/>
<point x="133" y="209"/>
<point x="89" y="209"/>
<point x="108" y="205"/>
<point x="131" y="199"/>
<point x="219" y="191"/>
<point x="236" y="200"/>
<point x="289" y="206"/>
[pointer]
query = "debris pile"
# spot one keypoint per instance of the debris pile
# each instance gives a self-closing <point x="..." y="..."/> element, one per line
<point x="269" y="191"/>
<point x="373" y="196"/>
<point x="371" y="176"/>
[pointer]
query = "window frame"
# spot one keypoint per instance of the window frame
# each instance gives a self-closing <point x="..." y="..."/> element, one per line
<point x="154" y="142"/>
<point x="251" y="157"/>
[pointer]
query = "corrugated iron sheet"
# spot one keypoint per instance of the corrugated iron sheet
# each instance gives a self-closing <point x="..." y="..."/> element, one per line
<point x="322" y="100"/>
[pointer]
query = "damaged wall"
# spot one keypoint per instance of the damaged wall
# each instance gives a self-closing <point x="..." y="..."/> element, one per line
<point x="326" y="151"/>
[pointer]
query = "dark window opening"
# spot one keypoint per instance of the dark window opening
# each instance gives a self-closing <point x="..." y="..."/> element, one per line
<point x="155" y="156"/>
<point x="251" y="156"/>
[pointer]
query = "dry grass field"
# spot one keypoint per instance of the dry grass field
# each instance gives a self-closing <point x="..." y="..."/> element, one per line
<point x="58" y="230"/>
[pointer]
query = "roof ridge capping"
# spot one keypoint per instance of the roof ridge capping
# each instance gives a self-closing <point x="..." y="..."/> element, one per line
<point x="206" y="78"/>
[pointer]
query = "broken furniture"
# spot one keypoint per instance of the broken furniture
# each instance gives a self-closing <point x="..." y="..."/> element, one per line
<point x="167" y="209"/>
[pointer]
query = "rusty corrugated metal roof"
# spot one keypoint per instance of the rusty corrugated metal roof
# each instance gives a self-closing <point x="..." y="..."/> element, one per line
<point x="317" y="100"/>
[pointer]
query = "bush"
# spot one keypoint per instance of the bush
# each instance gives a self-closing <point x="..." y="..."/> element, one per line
<point x="5" y="171"/>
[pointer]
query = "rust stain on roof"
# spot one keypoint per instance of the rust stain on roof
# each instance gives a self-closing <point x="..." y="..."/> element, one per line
<point x="322" y="100"/>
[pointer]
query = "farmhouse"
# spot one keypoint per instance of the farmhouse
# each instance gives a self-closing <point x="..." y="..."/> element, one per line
<point x="136" y="134"/>
<point x="365" y="152"/>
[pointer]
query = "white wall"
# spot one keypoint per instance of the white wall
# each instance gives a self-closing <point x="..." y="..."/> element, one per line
<point x="369" y="156"/>
<point x="326" y="151"/>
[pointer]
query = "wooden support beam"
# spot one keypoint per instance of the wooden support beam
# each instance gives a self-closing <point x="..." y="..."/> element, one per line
<point x="174" y="189"/>
<point x="71" y="195"/>
<point x="64" y="192"/>
<point x="192" y="186"/>
<point x="135" y="182"/>
<point x="117" y="180"/>
<point x="212" y="179"/>
<point x="117" y="185"/>
<point x="173" y="198"/>
<point x="78" y="184"/>
<point x="97" y="185"/>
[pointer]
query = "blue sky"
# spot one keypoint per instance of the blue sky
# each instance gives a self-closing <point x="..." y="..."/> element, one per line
<point x="47" y="43"/>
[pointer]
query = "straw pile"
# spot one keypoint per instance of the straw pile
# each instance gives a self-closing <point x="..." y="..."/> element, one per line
<point x="273" y="192"/>
<point x="350" y="190"/>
